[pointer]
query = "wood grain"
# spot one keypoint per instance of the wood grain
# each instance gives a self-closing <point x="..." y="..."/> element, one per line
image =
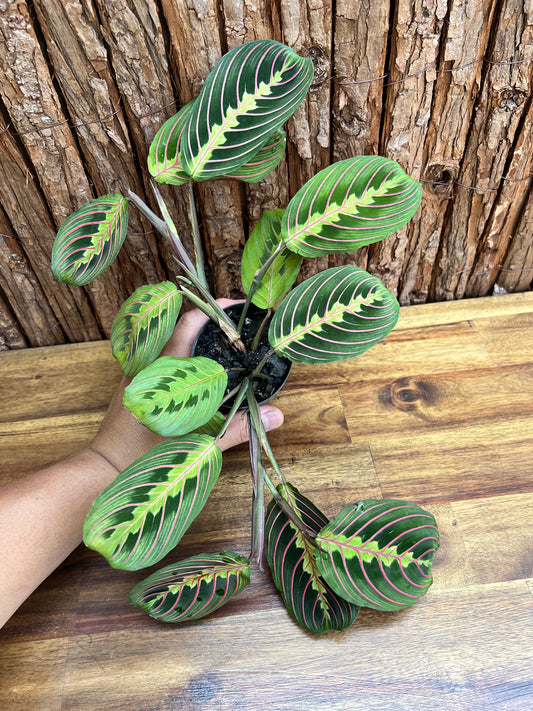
<point x="441" y="414"/>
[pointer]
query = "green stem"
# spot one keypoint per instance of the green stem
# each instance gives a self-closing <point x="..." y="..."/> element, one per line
<point x="166" y="229"/>
<point x="210" y="307"/>
<point x="200" y="269"/>
<point x="241" y="394"/>
<point x="260" y="330"/>
<point x="291" y="514"/>
<point x="255" y="414"/>
<point x="262" y="363"/>
<point x="258" y="276"/>
<point x="258" y="502"/>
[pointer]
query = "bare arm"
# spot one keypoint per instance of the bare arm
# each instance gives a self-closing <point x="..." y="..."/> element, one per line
<point x="42" y="514"/>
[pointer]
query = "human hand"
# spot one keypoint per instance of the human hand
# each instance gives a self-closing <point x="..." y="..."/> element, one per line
<point x="121" y="439"/>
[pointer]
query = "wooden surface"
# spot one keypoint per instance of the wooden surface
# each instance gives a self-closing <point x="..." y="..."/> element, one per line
<point x="441" y="86"/>
<point x="440" y="413"/>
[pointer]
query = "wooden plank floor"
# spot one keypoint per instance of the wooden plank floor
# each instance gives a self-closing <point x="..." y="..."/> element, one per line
<point x="440" y="413"/>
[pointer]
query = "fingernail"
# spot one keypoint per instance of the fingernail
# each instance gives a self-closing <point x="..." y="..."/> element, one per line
<point x="272" y="417"/>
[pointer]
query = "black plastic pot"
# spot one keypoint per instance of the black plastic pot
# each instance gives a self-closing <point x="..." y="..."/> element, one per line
<point x="212" y="342"/>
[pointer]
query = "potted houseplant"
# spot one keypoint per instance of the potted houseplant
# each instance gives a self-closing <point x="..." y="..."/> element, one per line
<point x="374" y="553"/>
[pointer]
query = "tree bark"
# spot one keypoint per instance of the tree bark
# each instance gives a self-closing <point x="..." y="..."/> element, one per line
<point x="441" y="86"/>
<point x="516" y="274"/>
<point x="488" y="154"/>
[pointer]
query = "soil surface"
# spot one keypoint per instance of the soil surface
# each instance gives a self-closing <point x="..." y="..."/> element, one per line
<point x="213" y="343"/>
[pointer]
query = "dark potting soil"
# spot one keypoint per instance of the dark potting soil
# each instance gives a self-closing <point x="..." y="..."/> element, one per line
<point x="213" y="343"/>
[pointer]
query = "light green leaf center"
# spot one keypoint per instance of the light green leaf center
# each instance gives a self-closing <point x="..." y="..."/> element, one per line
<point x="368" y="551"/>
<point x="335" y="314"/>
<point x="350" y="206"/>
<point x="218" y="132"/>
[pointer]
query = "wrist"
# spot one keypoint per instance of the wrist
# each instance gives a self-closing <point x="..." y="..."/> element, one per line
<point x="121" y="439"/>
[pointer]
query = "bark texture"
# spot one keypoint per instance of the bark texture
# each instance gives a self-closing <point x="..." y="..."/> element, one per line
<point x="441" y="86"/>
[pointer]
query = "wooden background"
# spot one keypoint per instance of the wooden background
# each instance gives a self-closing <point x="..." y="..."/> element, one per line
<point x="441" y="86"/>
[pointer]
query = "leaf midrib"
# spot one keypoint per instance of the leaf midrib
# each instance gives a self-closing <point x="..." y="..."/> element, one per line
<point x="231" y="115"/>
<point x="337" y="210"/>
<point x="332" y="316"/>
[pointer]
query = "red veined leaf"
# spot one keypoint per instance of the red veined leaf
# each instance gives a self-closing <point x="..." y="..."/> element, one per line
<point x="349" y="204"/>
<point x="379" y="554"/>
<point x="192" y="588"/>
<point x="144" y="513"/>
<point x="143" y="325"/>
<point x="337" y="314"/>
<point x="90" y="239"/>
<point x="290" y="555"/>
<point x="247" y="97"/>
<point x="164" y="160"/>
<point x="264" y="161"/>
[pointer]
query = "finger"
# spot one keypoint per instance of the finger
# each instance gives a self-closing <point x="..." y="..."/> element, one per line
<point x="237" y="431"/>
<point x="184" y="335"/>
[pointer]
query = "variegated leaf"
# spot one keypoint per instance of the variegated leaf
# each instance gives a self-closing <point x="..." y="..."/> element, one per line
<point x="144" y="513"/>
<point x="212" y="427"/>
<point x="349" y="204"/>
<point x="336" y="314"/>
<point x="90" y="239"/>
<point x="260" y="245"/>
<point x="164" y="160"/>
<point x="192" y="588"/>
<point x="379" y="553"/>
<point x="173" y="396"/>
<point x="309" y="600"/>
<point x="264" y="161"/>
<point x="143" y="325"/>
<point x="248" y="96"/>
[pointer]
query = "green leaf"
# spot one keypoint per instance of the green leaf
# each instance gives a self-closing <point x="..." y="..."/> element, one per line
<point x="261" y="244"/>
<point x="352" y="203"/>
<point x="379" y="553"/>
<point x="143" y="325"/>
<point x="90" y="239"/>
<point x="173" y="396"/>
<point x="192" y="588"/>
<point x="144" y="513"/>
<point x="309" y="600"/>
<point x="336" y="314"/>
<point x="164" y="160"/>
<point x="248" y="96"/>
<point x="212" y="427"/>
<point x="264" y="161"/>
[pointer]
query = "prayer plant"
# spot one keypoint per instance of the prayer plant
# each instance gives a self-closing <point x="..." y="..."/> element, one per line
<point x="374" y="553"/>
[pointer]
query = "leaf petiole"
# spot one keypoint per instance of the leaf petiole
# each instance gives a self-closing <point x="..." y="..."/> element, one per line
<point x="258" y="276"/>
<point x="257" y="425"/>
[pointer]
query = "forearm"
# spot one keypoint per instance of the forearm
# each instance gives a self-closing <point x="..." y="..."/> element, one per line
<point x="42" y="515"/>
<point x="41" y="522"/>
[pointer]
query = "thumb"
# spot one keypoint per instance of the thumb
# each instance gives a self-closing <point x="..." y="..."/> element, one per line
<point x="237" y="431"/>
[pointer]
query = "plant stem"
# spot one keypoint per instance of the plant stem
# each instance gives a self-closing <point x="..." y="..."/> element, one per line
<point x="200" y="269"/>
<point x="262" y="363"/>
<point x="210" y="307"/>
<point x="167" y="229"/>
<point x="291" y="513"/>
<point x="264" y="439"/>
<point x="260" y="330"/>
<point x="241" y="394"/>
<point x="258" y="276"/>
<point x="258" y="502"/>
